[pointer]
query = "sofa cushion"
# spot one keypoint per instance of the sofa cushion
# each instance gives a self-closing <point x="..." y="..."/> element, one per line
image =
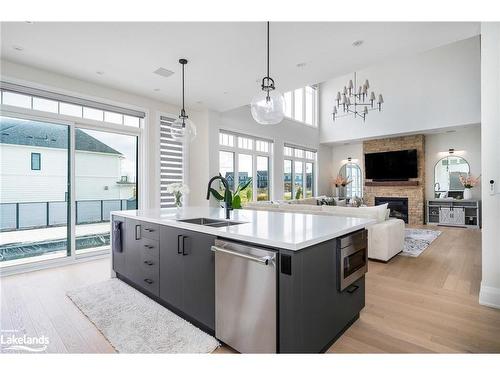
<point x="300" y="208"/>
<point x="375" y="212"/>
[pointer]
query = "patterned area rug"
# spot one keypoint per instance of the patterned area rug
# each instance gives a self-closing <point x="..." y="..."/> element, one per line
<point x="134" y="323"/>
<point x="417" y="240"/>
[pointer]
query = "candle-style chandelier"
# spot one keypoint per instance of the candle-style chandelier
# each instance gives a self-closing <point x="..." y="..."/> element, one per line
<point x="356" y="102"/>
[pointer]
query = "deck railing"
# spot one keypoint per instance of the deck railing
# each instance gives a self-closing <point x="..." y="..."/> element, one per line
<point x="26" y="215"/>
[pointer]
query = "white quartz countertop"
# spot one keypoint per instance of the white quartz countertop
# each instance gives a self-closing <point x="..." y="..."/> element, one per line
<point x="292" y="231"/>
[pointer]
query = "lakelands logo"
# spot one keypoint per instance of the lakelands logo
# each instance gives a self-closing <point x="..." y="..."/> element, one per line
<point x="10" y="341"/>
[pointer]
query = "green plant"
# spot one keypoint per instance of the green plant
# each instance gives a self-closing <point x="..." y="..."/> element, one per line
<point x="235" y="196"/>
<point x="298" y="194"/>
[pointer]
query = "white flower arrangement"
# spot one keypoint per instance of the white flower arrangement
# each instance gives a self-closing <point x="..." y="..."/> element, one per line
<point x="177" y="187"/>
<point x="178" y="190"/>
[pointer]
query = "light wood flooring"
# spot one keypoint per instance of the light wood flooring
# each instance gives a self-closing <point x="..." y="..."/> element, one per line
<point x="413" y="305"/>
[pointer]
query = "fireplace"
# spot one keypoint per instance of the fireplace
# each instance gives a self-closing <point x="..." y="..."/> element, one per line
<point x="398" y="206"/>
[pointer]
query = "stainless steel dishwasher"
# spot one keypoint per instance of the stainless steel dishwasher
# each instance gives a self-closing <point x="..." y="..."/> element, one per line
<point x="245" y="297"/>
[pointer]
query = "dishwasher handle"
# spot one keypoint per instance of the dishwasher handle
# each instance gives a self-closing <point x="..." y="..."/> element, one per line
<point x="264" y="260"/>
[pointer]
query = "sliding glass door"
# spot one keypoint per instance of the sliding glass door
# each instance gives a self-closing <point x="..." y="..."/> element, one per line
<point x="105" y="181"/>
<point x="39" y="217"/>
<point x="34" y="194"/>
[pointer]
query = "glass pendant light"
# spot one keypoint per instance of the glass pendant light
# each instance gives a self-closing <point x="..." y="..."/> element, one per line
<point x="183" y="128"/>
<point x="268" y="107"/>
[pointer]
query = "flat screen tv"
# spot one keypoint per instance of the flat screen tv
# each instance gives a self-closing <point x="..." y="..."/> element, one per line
<point x="391" y="166"/>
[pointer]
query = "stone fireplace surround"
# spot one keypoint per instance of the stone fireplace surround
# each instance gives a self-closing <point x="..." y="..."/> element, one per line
<point x="413" y="190"/>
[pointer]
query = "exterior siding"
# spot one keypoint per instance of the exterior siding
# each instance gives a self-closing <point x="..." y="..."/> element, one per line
<point x="95" y="172"/>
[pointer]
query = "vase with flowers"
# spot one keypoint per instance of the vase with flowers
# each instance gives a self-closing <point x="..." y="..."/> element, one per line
<point x="340" y="183"/>
<point x="178" y="190"/>
<point x="468" y="182"/>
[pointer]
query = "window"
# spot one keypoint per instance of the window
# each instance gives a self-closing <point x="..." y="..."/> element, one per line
<point x="36" y="161"/>
<point x="41" y="100"/>
<point x="242" y="158"/>
<point x="301" y="105"/>
<point x="105" y="165"/>
<point x="171" y="161"/>
<point x="352" y="171"/>
<point x="299" y="172"/>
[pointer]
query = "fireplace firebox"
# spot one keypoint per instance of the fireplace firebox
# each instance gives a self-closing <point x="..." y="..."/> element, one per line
<point x="397" y="206"/>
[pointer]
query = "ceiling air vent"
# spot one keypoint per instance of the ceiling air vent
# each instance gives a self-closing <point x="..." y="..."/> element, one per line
<point x="163" y="72"/>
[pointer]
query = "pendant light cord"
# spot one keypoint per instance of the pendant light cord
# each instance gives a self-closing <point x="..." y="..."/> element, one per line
<point x="268" y="48"/>
<point x="183" y="111"/>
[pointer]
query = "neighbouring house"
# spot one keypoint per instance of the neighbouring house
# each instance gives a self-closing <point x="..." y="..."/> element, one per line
<point x="34" y="164"/>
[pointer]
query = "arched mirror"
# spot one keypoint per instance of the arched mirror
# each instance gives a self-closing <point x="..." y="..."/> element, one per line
<point x="352" y="171"/>
<point x="447" y="176"/>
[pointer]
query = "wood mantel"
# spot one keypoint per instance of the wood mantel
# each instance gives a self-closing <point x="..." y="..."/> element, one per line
<point x="391" y="183"/>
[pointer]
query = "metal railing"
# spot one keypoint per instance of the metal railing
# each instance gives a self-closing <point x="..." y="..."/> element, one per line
<point x="26" y="215"/>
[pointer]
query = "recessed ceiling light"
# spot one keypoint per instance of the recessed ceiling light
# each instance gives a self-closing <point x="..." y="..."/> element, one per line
<point x="163" y="72"/>
<point x="357" y="43"/>
<point x="301" y="65"/>
<point x="156" y="89"/>
<point x="99" y="72"/>
<point x="451" y="131"/>
<point x="199" y="102"/>
<point x="18" y="48"/>
<point x="225" y="92"/>
<point x="29" y="22"/>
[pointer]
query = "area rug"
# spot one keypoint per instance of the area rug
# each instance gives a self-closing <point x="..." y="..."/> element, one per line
<point x="134" y="323"/>
<point x="417" y="240"/>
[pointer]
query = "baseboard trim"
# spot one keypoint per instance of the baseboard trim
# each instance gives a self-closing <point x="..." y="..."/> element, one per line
<point x="489" y="296"/>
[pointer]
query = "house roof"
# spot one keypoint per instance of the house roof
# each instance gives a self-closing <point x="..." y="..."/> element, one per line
<point x="42" y="134"/>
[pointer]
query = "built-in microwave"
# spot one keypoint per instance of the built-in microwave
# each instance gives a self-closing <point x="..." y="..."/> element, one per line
<point x="352" y="258"/>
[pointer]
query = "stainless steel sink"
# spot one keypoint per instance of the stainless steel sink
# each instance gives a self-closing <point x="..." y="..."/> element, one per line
<point x="210" y="222"/>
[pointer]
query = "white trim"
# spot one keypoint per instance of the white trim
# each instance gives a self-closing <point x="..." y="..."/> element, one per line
<point x="52" y="263"/>
<point x="489" y="296"/>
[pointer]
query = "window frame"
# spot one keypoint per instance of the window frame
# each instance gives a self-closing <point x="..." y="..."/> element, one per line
<point x="304" y="161"/>
<point x="315" y="107"/>
<point x="236" y="150"/>
<point x="39" y="161"/>
<point x="143" y="187"/>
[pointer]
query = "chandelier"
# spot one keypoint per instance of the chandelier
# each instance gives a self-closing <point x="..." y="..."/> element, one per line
<point x="356" y="102"/>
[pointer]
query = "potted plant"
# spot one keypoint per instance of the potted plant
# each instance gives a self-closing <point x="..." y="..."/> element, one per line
<point x="468" y="182"/>
<point x="178" y="190"/>
<point x="236" y="195"/>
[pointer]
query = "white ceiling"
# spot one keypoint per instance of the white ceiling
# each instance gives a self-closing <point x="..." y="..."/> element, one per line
<point x="225" y="59"/>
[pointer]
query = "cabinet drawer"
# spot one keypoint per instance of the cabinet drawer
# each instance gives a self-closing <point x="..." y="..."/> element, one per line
<point x="150" y="255"/>
<point x="149" y="279"/>
<point x="150" y="230"/>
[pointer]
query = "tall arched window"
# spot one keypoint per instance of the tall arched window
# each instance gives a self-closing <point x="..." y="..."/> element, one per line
<point x="352" y="171"/>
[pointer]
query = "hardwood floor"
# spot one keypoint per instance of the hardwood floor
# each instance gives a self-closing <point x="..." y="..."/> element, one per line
<point x="413" y="305"/>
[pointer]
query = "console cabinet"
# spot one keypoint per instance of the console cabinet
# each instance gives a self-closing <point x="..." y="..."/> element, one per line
<point x="458" y="213"/>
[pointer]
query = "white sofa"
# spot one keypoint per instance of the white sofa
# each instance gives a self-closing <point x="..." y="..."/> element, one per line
<point x="385" y="237"/>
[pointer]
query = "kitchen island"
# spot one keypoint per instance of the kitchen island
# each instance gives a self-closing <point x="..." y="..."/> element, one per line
<point x="262" y="281"/>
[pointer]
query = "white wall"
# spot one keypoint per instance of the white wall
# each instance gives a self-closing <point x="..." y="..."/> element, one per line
<point x="150" y="189"/>
<point x="467" y="144"/>
<point x="436" y="89"/>
<point x="490" y="156"/>
<point x="288" y="131"/>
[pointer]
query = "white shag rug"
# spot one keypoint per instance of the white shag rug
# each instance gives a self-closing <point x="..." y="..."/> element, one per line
<point x="134" y="323"/>
<point x="417" y="240"/>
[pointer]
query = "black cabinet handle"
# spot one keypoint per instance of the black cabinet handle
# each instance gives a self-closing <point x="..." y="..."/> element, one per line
<point x="149" y="281"/>
<point x="148" y="246"/>
<point x="184" y="245"/>
<point x="352" y="288"/>
<point x="149" y="230"/>
<point x="148" y="262"/>
<point x="178" y="245"/>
